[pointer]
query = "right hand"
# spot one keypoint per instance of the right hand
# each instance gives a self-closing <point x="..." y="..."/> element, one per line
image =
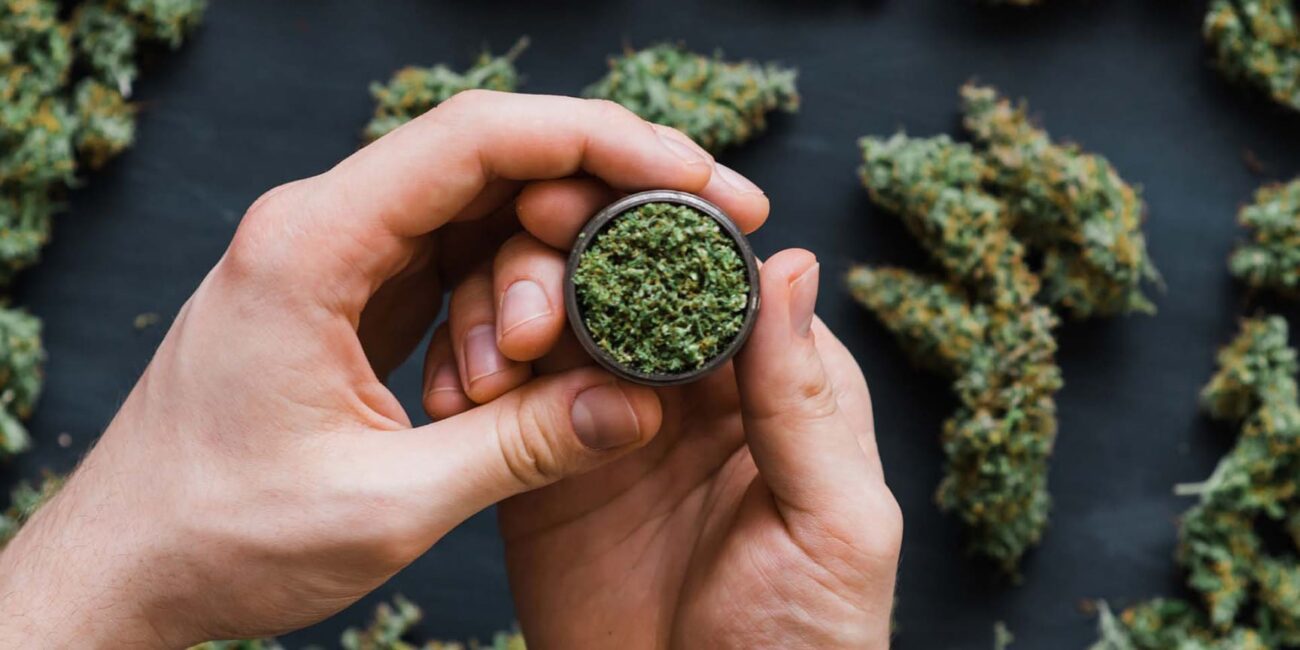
<point x="759" y="515"/>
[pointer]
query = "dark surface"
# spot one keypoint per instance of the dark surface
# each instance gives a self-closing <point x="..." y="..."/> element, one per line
<point x="271" y="91"/>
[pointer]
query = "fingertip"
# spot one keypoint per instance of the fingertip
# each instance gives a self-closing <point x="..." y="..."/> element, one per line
<point x="443" y="396"/>
<point x="554" y="211"/>
<point x="645" y="404"/>
<point x="739" y="197"/>
<point x="528" y="277"/>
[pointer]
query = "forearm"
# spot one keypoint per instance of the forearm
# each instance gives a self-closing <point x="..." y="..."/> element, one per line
<point x="75" y="578"/>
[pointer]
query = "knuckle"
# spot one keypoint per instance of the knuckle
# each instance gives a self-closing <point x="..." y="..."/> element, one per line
<point x="252" y="250"/>
<point x="610" y="111"/>
<point x="815" y="395"/>
<point x="470" y="101"/>
<point x="526" y="445"/>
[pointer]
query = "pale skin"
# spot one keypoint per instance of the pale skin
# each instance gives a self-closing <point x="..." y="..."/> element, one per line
<point x="261" y="477"/>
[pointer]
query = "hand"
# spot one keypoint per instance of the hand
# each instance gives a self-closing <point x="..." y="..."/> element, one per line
<point x="759" y="516"/>
<point x="260" y="476"/>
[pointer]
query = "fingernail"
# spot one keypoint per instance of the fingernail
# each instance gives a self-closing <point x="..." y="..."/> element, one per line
<point x="737" y="182"/>
<point x="803" y="299"/>
<point x="682" y="146"/>
<point x="524" y="301"/>
<point x="603" y="418"/>
<point x="445" y="378"/>
<point x="482" y="358"/>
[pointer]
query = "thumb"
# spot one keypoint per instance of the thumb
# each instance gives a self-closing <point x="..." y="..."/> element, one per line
<point x="549" y="429"/>
<point x="804" y="447"/>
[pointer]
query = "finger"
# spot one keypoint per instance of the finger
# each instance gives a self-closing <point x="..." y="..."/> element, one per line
<point x="528" y="281"/>
<point x="554" y="211"/>
<point x="546" y="430"/>
<point x="443" y="395"/>
<point x="485" y="373"/>
<point x="805" y="450"/>
<point x="851" y="390"/>
<point x="738" y="197"/>
<point x="412" y="181"/>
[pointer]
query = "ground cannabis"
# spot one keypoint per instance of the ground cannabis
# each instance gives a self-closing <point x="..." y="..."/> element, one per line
<point x="981" y="210"/>
<point x="1257" y="43"/>
<point x="66" y="71"/>
<point x="662" y="288"/>
<point x="414" y="90"/>
<point x="1240" y="544"/>
<point x="717" y="103"/>
<point x="1271" y="259"/>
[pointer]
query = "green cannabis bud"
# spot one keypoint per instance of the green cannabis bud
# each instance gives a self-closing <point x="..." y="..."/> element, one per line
<point x="249" y="644"/>
<point x="64" y="79"/>
<point x="24" y="501"/>
<point x="1071" y="205"/>
<point x="1271" y="259"/>
<point x="414" y="90"/>
<point x="936" y="186"/>
<point x="662" y="288"/>
<point x="998" y="442"/>
<point x="21" y="357"/>
<point x="394" y="621"/>
<point x="982" y="210"/>
<point x="717" y="103"/>
<point x="1257" y="43"/>
<point x="1248" y="588"/>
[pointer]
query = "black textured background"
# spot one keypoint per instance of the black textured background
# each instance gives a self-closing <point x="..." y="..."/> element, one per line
<point x="271" y="91"/>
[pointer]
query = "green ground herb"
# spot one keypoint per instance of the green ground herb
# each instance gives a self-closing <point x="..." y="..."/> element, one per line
<point x="662" y="288"/>
<point x="414" y="90"/>
<point x="1271" y="259"/>
<point x="717" y="103"/>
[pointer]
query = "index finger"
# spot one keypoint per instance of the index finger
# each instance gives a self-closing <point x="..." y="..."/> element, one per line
<point x="366" y="210"/>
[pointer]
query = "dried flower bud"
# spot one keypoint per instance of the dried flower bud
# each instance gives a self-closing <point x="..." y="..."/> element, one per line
<point x="1249" y="589"/>
<point x="717" y="103"/>
<point x="1272" y="257"/>
<point x="413" y="91"/>
<point x="1071" y="205"/>
<point x="935" y="185"/>
<point x="1257" y="43"/>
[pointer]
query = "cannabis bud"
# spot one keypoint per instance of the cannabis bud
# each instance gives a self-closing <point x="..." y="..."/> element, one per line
<point x="21" y="357"/>
<point x="998" y="442"/>
<point x="717" y="103"/>
<point x="64" y="80"/>
<point x="394" y="621"/>
<point x="979" y="210"/>
<point x="414" y="90"/>
<point x="662" y="287"/>
<point x="1257" y="43"/>
<point x="1240" y="544"/>
<point x="1272" y="257"/>
<point x="1070" y="205"/>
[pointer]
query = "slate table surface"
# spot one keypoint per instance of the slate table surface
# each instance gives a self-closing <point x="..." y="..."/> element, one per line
<point x="267" y="92"/>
